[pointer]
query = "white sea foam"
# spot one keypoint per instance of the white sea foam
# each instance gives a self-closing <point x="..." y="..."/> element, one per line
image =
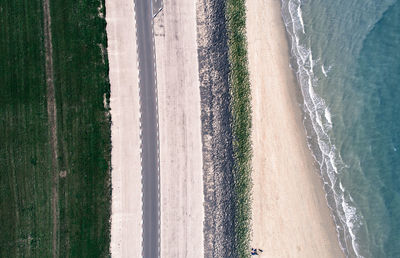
<point x="323" y="71"/>
<point x="348" y="218"/>
<point x="353" y="221"/>
<point x="300" y="18"/>
<point x="328" y="116"/>
<point x="341" y="186"/>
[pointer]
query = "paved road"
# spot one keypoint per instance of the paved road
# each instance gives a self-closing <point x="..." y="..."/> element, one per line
<point x="149" y="128"/>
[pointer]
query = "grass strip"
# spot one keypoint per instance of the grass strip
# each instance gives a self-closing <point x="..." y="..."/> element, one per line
<point x="83" y="126"/>
<point x="25" y="153"/>
<point x="241" y="122"/>
<point x="82" y="93"/>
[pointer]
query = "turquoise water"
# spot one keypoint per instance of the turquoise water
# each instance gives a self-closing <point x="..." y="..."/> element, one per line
<point x="346" y="55"/>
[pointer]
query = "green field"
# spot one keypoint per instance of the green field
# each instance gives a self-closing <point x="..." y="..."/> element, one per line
<point x="25" y="157"/>
<point x="83" y="131"/>
<point x="241" y="124"/>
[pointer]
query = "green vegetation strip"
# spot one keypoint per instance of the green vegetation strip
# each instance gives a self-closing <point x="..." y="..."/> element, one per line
<point x="25" y="153"/>
<point x="241" y="124"/>
<point x="83" y="126"/>
<point x="83" y="130"/>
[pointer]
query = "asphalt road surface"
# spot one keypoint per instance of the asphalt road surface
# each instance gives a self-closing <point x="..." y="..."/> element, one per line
<point x="149" y="128"/>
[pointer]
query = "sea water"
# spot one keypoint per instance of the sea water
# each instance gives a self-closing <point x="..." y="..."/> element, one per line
<point x="346" y="56"/>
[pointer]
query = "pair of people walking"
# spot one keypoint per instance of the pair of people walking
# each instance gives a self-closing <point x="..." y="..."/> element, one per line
<point x="254" y="251"/>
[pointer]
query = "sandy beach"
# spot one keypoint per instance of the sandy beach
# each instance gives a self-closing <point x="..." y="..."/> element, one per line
<point x="290" y="216"/>
<point x="126" y="218"/>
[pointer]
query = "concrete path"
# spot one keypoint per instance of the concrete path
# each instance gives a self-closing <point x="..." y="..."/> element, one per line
<point x="181" y="175"/>
<point x="126" y="219"/>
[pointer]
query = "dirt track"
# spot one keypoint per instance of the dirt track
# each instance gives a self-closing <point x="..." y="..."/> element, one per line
<point x="52" y="118"/>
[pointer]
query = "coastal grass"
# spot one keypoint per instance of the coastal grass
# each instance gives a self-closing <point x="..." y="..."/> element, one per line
<point x="83" y="130"/>
<point x="241" y="122"/>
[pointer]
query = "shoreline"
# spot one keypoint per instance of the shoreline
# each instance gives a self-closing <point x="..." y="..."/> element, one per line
<point x="285" y="179"/>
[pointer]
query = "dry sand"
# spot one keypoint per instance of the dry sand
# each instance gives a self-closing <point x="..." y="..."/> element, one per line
<point x="126" y="218"/>
<point x="290" y="215"/>
<point x="181" y="175"/>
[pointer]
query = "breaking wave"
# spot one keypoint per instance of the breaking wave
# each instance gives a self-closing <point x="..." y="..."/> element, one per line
<point x="318" y="124"/>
